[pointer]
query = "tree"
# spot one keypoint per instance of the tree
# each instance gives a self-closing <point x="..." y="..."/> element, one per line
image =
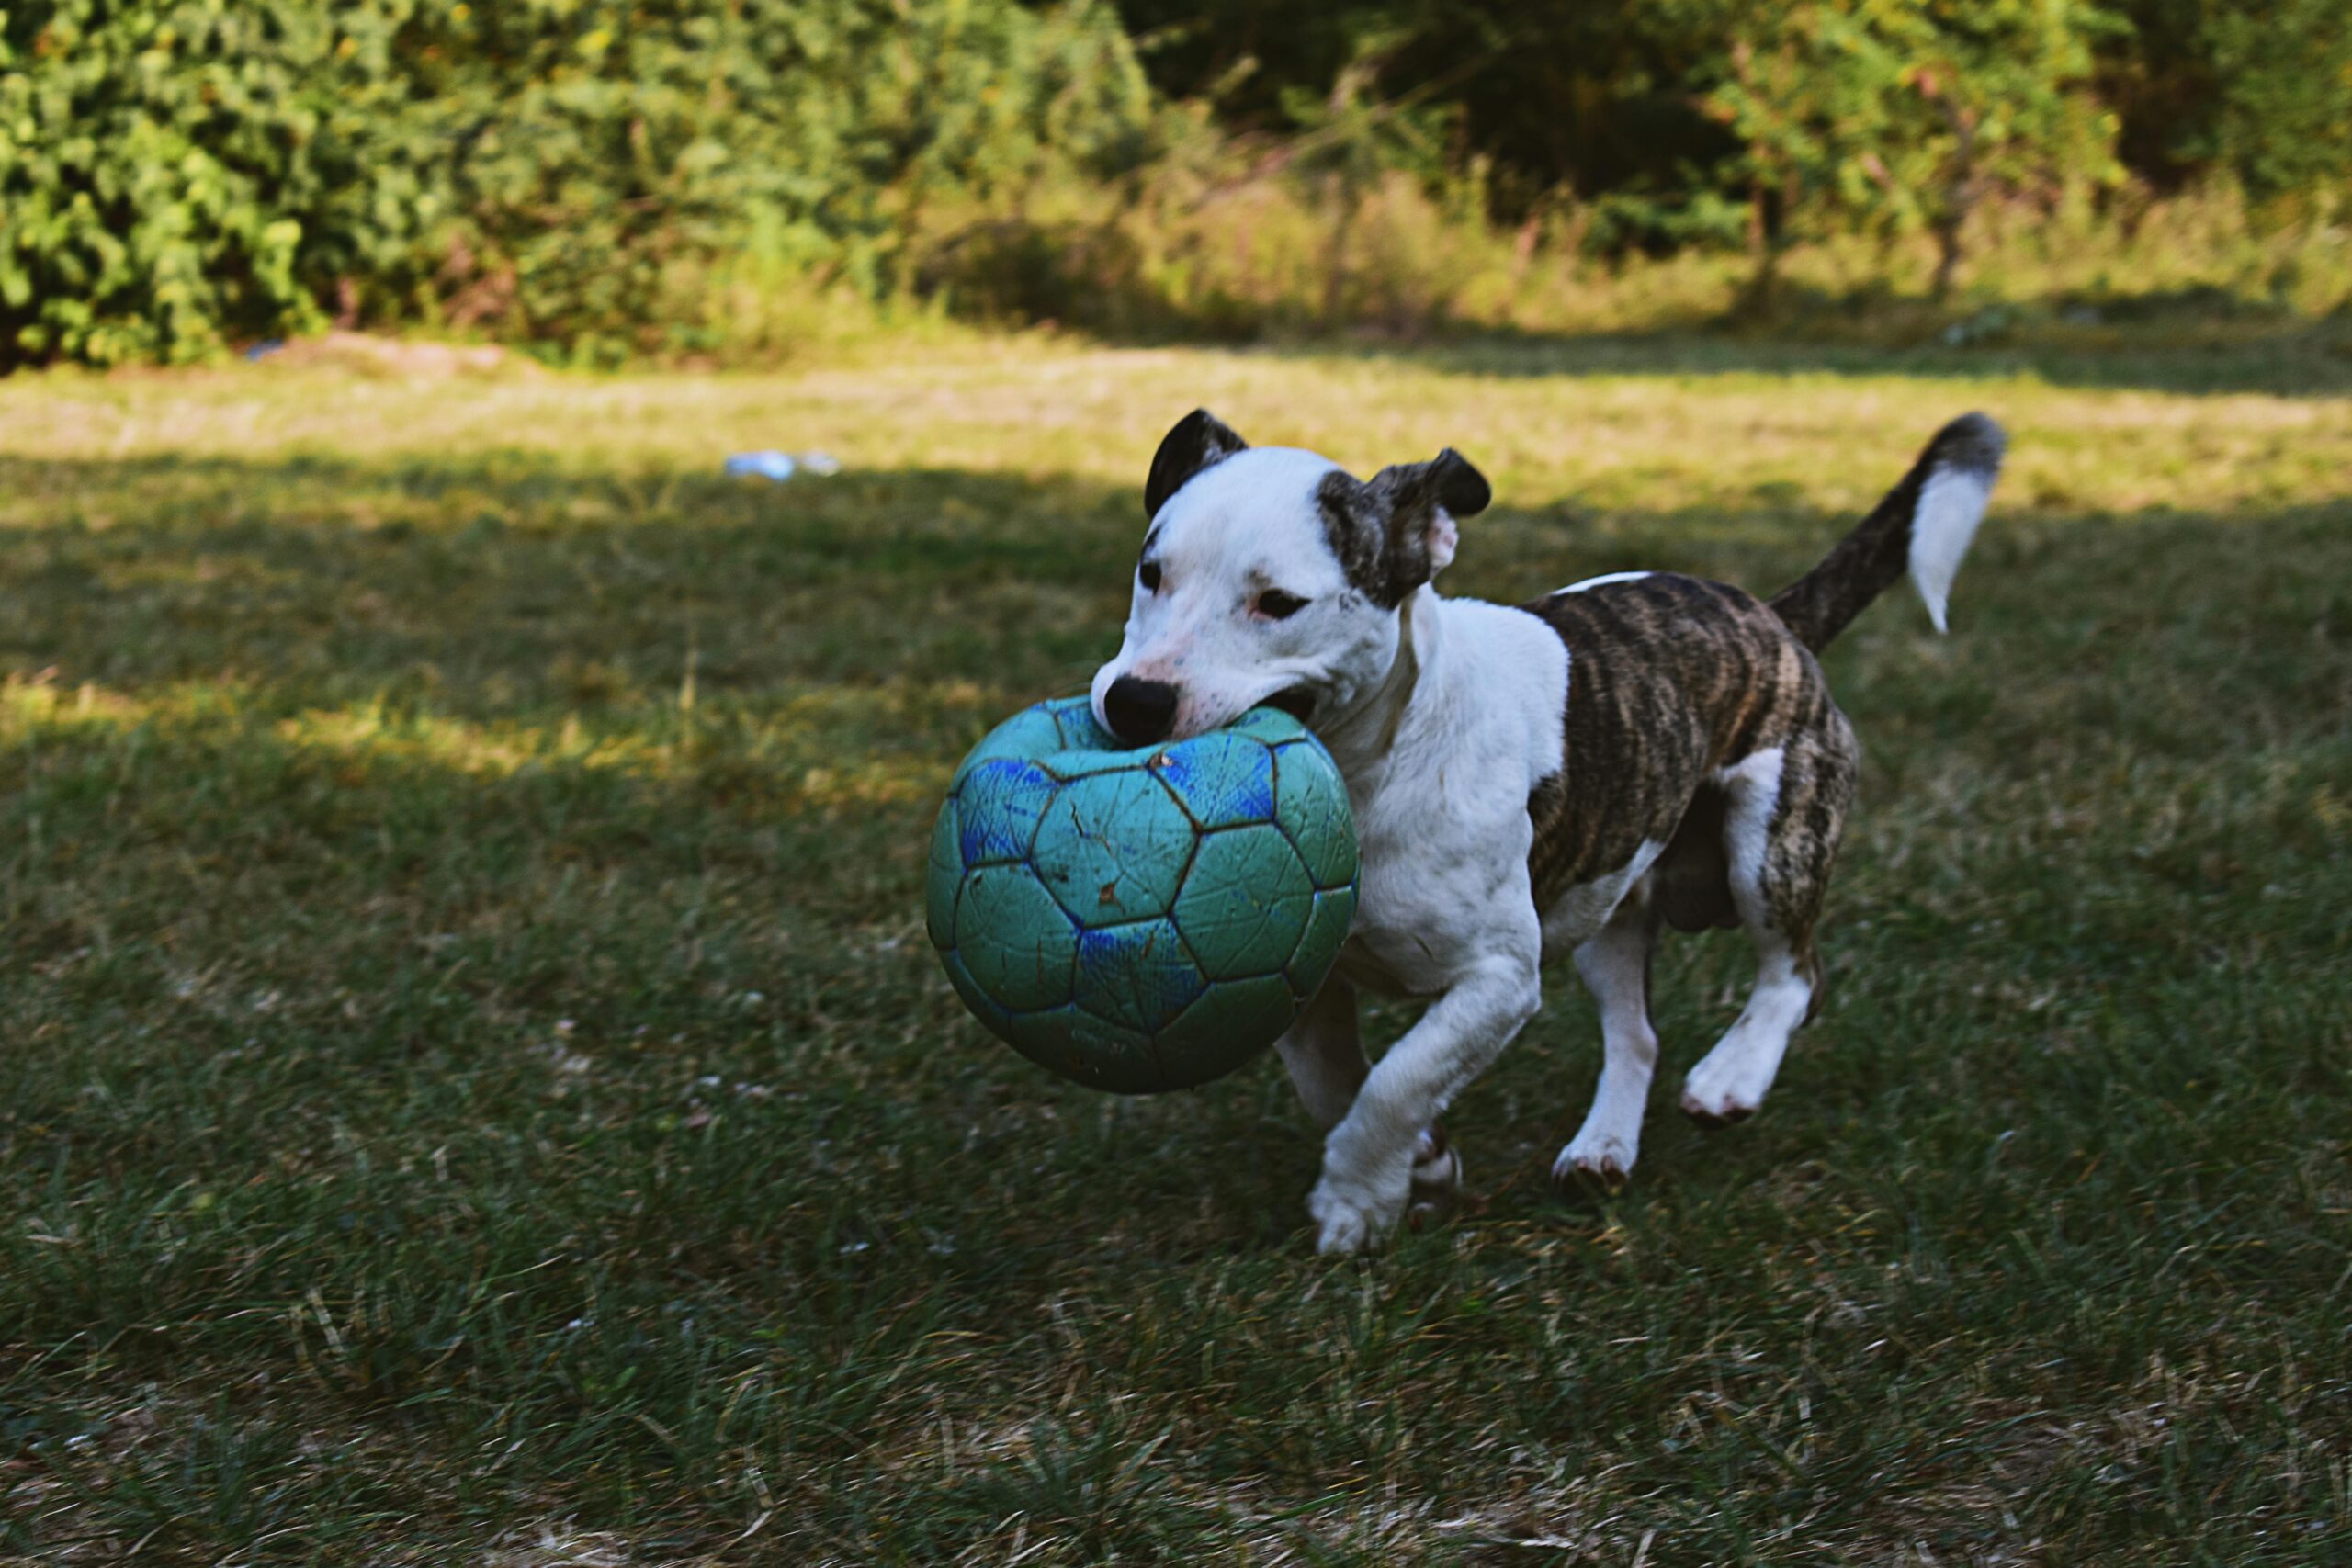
<point x="1905" y="114"/>
<point x="2284" y="125"/>
<point x="1550" y="96"/>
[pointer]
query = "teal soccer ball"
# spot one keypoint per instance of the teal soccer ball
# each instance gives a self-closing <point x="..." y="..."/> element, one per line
<point x="1139" y="920"/>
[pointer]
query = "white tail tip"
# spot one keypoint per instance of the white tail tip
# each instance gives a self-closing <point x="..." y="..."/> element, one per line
<point x="1952" y="504"/>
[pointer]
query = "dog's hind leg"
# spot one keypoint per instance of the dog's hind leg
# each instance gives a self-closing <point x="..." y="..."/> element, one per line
<point x="1784" y="806"/>
<point x="1615" y="967"/>
<point x="1324" y="1052"/>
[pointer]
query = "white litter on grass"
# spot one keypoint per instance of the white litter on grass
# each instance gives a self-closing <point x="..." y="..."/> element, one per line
<point x="779" y="466"/>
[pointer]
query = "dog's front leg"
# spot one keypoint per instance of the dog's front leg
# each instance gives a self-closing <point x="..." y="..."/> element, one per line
<point x="1324" y="1052"/>
<point x="1368" y="1160"/>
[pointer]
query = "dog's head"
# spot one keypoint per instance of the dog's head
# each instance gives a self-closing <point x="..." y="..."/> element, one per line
<point x="1271" y="576"/>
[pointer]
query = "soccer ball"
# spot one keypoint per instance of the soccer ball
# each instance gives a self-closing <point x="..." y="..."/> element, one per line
<point x="1139" y="920"/>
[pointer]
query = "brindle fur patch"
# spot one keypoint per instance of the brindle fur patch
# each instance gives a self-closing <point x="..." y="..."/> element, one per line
<point x="1671" y="680"/>
<point x="1357" y="528"/>
<point x="1380" y="531"/>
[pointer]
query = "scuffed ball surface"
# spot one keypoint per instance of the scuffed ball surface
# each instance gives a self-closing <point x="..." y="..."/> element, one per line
<point x="1140" y="921"/>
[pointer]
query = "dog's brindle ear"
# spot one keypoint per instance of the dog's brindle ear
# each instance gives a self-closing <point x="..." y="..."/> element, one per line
<point x="1200" y="440"/>
<point x="1397" y="532"/>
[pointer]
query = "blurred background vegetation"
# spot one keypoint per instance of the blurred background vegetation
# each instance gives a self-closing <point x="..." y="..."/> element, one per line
<point x="737" y="182"/>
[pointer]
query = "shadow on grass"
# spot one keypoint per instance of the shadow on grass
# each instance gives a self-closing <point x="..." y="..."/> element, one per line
<point x="508" y="582"/>
<point x="508" y="587"/>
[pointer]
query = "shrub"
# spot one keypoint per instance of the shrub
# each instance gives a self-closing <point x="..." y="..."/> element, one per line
<point x="178" y="173"/>
<point x="153" y="164"/>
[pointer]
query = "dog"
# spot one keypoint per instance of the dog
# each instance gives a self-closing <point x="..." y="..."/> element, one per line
<point x="1560" y="778"/>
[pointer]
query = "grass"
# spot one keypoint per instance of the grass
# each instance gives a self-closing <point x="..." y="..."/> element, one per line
<point x="475" y="1089"/>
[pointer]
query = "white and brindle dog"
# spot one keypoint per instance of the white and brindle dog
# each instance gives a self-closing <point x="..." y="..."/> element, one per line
<point x="1553" y="779"/>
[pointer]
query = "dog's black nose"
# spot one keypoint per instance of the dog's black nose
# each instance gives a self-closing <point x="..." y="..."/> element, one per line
<point x="1140" y="711"/>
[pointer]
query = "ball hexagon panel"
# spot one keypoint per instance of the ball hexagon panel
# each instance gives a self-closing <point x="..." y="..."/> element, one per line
<point x="1223" y="780"/>
<point x="1245" y="902"/>
<point x="998" y="807"/>
<point x="1113" y="848"/>
<point x="1138" y="975"/>
<point x="1270" y="725"/>
<point x="1085" y="746"/>
<point x="983" y="1006"/>
<point x="1030" y="733"/>
<point x="1088" y="1050"/>
<point x="1074" y="717"/>
<point x="1085" y="764"/>
<point x="1013" y="939"/>
<point x="1232" y="1022"/>
<point x="1314" y="814"/>
<point x="942" y="878"/>
<point x="1318" y="945"/>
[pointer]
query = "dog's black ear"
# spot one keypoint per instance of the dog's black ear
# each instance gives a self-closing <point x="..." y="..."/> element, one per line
<point x="1200" y="440"/>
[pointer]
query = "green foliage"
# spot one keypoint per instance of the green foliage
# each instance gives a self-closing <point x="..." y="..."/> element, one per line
<point x="614" y="151"/>
<point x="605" y="178"/>
<point x="2260" y="92"/>
<point x="181" y="171"/>
<point x="156" y="164"/>
<point x="1611" y="101"/>
<point x="1554" y="95"/>
<point x="1904" y="114"/>
<point x="2284" y="69"/>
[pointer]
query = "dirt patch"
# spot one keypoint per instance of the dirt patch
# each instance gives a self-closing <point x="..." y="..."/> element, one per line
<point x="396" y="356"/>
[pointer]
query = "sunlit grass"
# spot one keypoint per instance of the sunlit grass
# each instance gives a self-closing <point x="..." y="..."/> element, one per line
<point x="476" y="1087"/>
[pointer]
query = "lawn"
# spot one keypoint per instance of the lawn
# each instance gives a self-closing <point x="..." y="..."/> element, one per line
<point x="473" y="1086"/>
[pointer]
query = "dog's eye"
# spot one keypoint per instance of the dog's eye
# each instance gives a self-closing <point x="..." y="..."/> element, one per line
<point x="1277" y="605"/>
<point x="1148" y="575"/>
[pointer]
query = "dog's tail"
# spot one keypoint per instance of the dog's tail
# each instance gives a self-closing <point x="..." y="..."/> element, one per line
<point x="1924" y="525"/>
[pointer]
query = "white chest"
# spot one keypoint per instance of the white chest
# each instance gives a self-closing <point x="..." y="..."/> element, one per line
<point x="1441" y="821"/>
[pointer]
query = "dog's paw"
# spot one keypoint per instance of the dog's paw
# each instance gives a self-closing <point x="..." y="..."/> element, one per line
<point x="1711" y="1100"/>
<point x="1727" y="1086"/>
<point x="1730" y="1082"/>
<point x="1716" y="1112"/>
<point x="1356" y="1217"/>
<point x="1592" y="1164"/>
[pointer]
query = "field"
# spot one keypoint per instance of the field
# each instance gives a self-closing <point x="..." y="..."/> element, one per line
<point x="473" y="1087"/>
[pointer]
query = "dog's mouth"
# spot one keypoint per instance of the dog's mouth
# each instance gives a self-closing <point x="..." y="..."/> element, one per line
<point x="1295" y="701"/>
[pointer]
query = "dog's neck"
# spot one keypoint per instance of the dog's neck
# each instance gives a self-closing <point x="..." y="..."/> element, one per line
<point x="1362" y="735"/>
